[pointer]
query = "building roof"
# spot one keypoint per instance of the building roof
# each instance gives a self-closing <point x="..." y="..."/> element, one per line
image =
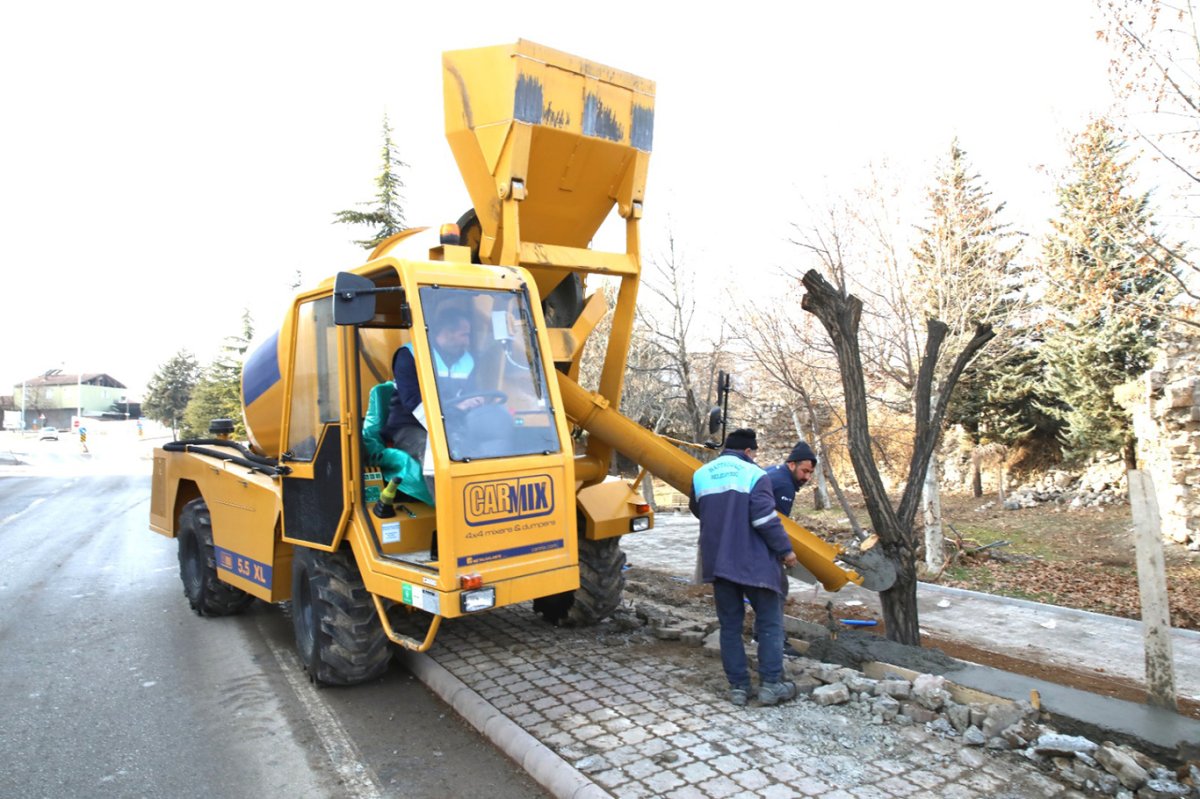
<point x="56" y="377"/>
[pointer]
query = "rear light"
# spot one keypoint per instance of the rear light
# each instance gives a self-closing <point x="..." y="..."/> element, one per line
<point x="468" y="582"/>
<point x="639" y="523"/>
<point x="643" y="508"/>
<point x="474" y="601"/>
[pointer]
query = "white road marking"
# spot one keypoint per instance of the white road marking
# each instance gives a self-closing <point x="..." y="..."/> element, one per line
<point x="357" y="779"/>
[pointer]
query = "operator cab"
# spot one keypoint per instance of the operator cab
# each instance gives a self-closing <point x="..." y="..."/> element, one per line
<point x="491" y="435"/>
<point x="501" y="406"/>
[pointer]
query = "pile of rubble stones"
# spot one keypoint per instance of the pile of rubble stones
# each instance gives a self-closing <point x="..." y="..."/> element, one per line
<point x="1016" y="728"/>
<point x="1101" y="484"/>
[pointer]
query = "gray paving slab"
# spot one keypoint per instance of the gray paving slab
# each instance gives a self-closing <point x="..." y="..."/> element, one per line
<point x="608" y="711"/>
<point x="641" y="717"/>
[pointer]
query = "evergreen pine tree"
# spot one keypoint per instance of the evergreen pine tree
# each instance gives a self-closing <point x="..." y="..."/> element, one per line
<point x="1104" y="293"/>
<point x="218" y="393"/>
<point x="170" y="389"/>
<point x="385" y="213"/>
<point x="966" y="273"/>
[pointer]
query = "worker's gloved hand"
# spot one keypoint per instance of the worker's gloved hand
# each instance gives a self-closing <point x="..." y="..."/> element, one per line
<point x="789" y="560"/>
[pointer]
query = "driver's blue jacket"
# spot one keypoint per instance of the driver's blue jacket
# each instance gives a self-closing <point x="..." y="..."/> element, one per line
<point x="460" y="377"/>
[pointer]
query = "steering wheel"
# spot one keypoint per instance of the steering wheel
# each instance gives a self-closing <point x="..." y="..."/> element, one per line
<point x="494" y="396"/>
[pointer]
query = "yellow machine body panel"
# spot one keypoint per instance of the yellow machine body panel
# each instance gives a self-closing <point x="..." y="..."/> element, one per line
<point x="609" y="510"/>
<point x="245" y="510"/>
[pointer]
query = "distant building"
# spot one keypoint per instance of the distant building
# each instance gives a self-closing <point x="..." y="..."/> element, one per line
<point x="51" y="399"/>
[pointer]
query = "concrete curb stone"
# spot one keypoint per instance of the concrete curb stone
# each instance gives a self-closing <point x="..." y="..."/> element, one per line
<point x="547" y="768"/>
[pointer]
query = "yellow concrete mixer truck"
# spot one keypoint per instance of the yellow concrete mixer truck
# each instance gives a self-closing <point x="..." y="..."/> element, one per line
<point x="509" y="501"/>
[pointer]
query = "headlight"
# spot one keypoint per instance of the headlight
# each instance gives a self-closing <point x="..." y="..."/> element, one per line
<point x="473" y="601"/>
<point x="639" y="523"/>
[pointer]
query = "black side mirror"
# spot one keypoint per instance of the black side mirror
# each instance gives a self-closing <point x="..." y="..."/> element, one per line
<point x="353" y="299"/>
<point x="714" y="420"/>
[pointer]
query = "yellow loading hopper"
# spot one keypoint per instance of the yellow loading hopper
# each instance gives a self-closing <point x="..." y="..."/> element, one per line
<point x="589" y="127"/>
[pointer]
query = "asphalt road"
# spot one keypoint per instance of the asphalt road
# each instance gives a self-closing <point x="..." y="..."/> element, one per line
<point x="114" y="688"/>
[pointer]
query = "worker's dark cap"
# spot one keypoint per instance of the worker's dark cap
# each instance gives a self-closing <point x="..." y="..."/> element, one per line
<point x="802" y="452"/>
<point x="742" y="438"/>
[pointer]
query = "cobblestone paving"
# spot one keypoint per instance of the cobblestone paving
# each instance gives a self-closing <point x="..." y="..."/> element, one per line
<point x="648" y="718"/>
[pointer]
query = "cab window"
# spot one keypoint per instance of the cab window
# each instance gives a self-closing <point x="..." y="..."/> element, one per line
<point x="488" y="373"/>
<point x="315" y="401"/>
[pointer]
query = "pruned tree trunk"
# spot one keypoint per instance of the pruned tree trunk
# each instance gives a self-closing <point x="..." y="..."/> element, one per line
<point x="839" y="314"/>
<point x="976" y="476"/>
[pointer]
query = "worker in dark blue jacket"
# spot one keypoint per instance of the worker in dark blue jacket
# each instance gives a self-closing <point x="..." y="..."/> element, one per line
<point x="743" y="551"/>
<point x="790" y="476"/>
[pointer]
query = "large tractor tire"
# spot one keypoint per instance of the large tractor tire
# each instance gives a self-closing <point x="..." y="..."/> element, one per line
<point x="601" y="583"/>
<point x="205" y="592"/>
<point x="338" y="634"/>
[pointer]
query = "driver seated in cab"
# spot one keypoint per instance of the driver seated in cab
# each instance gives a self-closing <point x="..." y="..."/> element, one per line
<point x="455" y="369"/>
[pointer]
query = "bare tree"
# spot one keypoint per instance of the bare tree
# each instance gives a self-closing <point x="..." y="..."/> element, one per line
<point x="689" y="359"/>
<point x="840" y="314"/>
<point x="1154" y="70"/>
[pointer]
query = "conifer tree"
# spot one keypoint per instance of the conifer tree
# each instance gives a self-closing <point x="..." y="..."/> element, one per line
<point x="1105" y="293"/>
<point x="965" y="257"/>
<point x="964" y="277"/>
<point x="385" y="213"/>
<point x="218" y="392"/>
<point x="170" y="389"/>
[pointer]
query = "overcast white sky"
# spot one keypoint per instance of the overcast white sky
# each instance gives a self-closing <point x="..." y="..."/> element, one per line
<point x="165" y="165"/>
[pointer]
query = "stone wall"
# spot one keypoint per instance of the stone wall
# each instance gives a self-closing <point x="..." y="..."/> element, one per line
<point x="1166" y="420"/>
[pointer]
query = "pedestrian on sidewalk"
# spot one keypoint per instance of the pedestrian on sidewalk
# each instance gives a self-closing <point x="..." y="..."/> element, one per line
<point x="743" y="552"/>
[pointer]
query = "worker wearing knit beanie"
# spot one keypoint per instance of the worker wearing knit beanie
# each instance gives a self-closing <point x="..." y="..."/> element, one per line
<point x="790" y="476"/>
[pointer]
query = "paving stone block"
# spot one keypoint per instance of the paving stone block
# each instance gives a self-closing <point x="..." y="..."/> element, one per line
<point x="720" y="787"/>
<point x="751" y="779"/>
<point x="696" y="772"/>
<point x="605" y="742"/>
<point x="729" y="764"/>
<point x="899" y="786"/>
<point x="587" y="731"/>
<point x="683" y="740"/>
<point x="662" y="782"/>
<point x="634" y="735"/>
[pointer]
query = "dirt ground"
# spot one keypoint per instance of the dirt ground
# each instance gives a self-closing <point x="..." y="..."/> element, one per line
<point x="1081" y="559"/>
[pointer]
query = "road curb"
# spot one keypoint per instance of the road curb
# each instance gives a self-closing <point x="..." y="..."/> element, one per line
<point x="549" y="770"/>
